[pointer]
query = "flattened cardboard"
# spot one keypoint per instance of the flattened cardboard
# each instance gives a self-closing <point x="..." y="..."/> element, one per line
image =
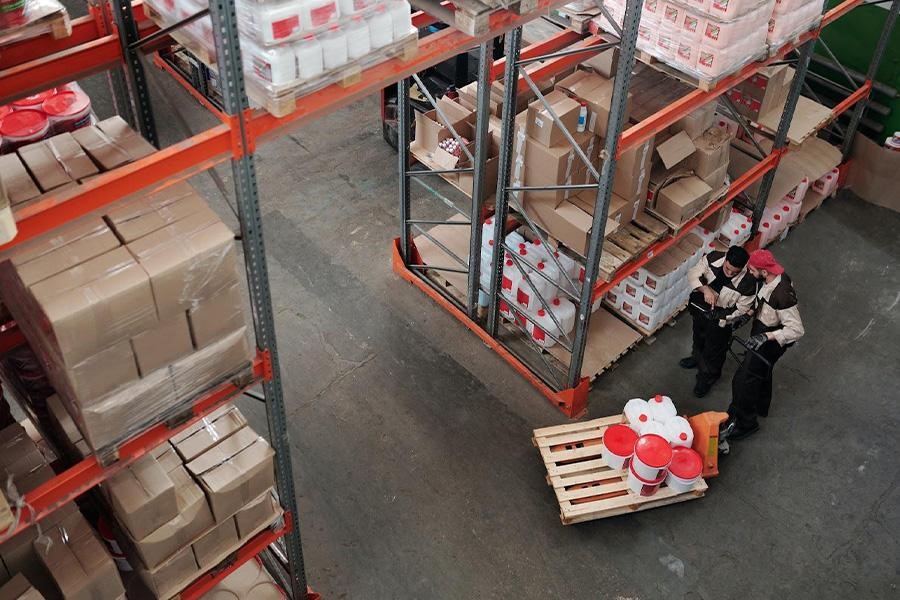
<point x="142" y="496"/>
<point x="873" y="170"/>
<point x="218" y="541"/>
<point x="208" y="431"/>
<point x="675" y="149"/>
<point x="259" y="512"/>
<point x="16" y="181"/>
<point x="234" y="472"/>
<point x="162" y="345"/>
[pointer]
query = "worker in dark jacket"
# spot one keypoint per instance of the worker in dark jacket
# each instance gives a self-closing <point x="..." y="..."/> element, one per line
<point x="776" y="327"/>
<point x="722" y="298"/>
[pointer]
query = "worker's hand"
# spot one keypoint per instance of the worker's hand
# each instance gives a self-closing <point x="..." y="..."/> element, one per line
<point x="756" y="341"/>
<point x="709" y="295"/>
<point x="723" y="323"/>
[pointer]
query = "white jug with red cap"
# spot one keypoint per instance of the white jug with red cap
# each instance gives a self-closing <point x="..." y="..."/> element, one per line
<point x="564" y="311"/>
<point x="637" y="412"/>
<point x="661" y="408"/>
<point x="679" y="432"/>
<point x="542" y="329"/>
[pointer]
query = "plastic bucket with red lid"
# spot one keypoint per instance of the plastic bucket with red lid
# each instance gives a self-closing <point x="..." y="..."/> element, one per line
<point x="618" y="446"/>
<point x="640" y="485"/>
<point x="68" y="110"/>
<point x="684" y="470"/>
<point x="5" y="110"/>
<point x="12" y="13"/>
<point x="652" y="454"/>
<point x="34" y="101"/>
<point x="22" y="127"/>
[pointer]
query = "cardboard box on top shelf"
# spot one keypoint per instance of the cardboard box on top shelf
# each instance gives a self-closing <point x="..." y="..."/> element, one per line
<point x="211" y="548"/>
<point x="446" y="160"/>
<point x="193" y="519"/>
<point x="682" y="199"/>
<point x="597" y="92"/>
<point x="208" y="431"/>
<point x="697" y="121"/>
<point x="111" y="143"/>
<point x="674" y="151"/>
<point x="57" y="161"/>
<point x="19" y="588"/>
<point x="141" y="214"/>
<point x="717" y="178"/>
<point x="259" y="512"/>
<point x="211" y="365"/>
<point x="715" y="221"/>
<point x="186" y="261"/>
<point x="162" y="345"/>
<point x="19" y="185"/>
<point x="234" y="472"/>
<point x="711" y="152"/>
<point x="77" y="561"/>
<point x="541" y="127"/>
<point x="172" y="576"/>
<point x="605" y="63"/>
<point x="142" y="496"/>
<point x="213" y="318"/>
<point x="764" y="91"/>
<point x="429" y="128"/>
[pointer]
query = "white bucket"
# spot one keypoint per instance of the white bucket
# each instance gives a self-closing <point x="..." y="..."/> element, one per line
<point x="679" y="432"/>
<point x="641" y="486"/>
<point x="685" y="470"/>
<point x="652" y="455"/>
<point x="618" y="446"/>
<point x="661" y="408"/>
<point x="637" y="412"/>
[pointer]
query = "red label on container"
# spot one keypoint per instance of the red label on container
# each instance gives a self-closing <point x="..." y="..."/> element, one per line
<point x="323" y="14"/>
<point x="538" y="334"/>
<point x="285" y="27"/>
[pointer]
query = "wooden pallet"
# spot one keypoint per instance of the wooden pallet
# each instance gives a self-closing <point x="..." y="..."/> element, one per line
<point x="6" y="515"/>
<point x="705" y="84"/>
<point x="585" y="487"/>
<point x="54" y="20"/>
<point x="629" y="242"/>
<point x="472" y="17"/>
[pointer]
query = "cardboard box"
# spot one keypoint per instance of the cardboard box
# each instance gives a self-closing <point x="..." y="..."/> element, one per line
<point x="619" y="209"/>
<point x="101" y="373"/>
<point x="682" y="199"/>
<point x="57" y="161"/>
<point x="208" y="431"/>
<point x="675" y="150"/>
<point x="167" y="458"/>
<point x="167" y="579"/>
<point x="215" y="317"/>
<point x="597" y="92"/>
<point x="873" y="170"/>
<point x="696" y="122"/>
<point x="605" y="63"/>
<point x="632" y="174"/>
<point x="711" y="152"/>
<point x="211" y="365"/>
<point x="255" y="515"/>
<point x="250" y="581"/>
<point x="142" y="496"/>
<point x="535" y="164"/>
<point x="65" y="426"/>
<point x="566" y="222"/>
<point x="142" y="213"/>
<point x="765" y="91"/>
<point x="107" y="299"/>
<point x="216" y="544"/>
<point x="187" y="261"/>
<point x="77" y="561"/>
<point x="19" y="588"/>
<point x="716" y="179"/>
<point x="162" y="345"/>
<point x="193" y="519"/>
<point x="715" y="221"/>
<point x="454" y="111"/>
<point x="541" y="127"/>
<point x="111" y="143"/>
<point x="466" y="181"/>
<point x="63" y="258"/>
<point x="234" y="472"/>
<point x="16" y="181"/>
<point x="63" y="235"/>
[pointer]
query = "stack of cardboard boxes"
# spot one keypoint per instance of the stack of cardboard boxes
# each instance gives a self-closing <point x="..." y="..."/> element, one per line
<point x="62" y="558"/>
<point x="131" y="314"/>
<point x="763" y="92"/>
<point x="189" y="503"/>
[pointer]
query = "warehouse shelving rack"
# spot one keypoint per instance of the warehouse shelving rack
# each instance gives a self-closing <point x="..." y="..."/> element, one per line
<point x="94" y="47"/>
<point x="568" y="390"/>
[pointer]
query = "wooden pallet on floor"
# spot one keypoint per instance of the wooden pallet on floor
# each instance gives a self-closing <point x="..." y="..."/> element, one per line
<point x="585" y="486"/>
<point x="629" y="242"/>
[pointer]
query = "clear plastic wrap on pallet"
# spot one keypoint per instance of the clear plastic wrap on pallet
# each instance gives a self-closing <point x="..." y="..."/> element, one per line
<point x="705" y="40"/>
<point x="791" y="18"/>
<point x="19" y="18"/>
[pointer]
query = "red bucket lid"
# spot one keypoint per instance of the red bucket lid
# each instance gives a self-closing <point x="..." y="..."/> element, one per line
<point x="5" y="110"/>
<point x="34" y="100"/>
<point x="620" y="439"/>
<point x="686" y="463"/>
<point x="653" y="450"/>
<point x="66" y="103"/>
<point x="23" y="123"/>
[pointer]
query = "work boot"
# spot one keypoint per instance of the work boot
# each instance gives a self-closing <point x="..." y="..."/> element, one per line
<point x="703" y="385"/>
<point x="733" y="432"/>
<point x="688" y="362"/>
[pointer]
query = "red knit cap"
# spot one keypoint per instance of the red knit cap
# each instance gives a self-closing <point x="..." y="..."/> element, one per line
<point x="763" y="259"/>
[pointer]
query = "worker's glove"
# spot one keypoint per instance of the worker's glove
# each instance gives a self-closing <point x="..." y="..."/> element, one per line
<point x="740" y="322"/>
<point x="756" y="341"/>
<point x="715" y="314"/>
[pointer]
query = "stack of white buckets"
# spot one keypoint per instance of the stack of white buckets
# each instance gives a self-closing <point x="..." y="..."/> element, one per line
<point x="654" y="447"/>
<point x="535" y="274"/>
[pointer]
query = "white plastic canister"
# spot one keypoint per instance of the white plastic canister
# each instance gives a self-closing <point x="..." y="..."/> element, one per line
<point x="679" y="432"/>
<point x="661" y="408"/>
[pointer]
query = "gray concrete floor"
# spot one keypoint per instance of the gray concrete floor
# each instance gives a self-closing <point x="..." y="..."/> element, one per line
<point x="411" y="440"/>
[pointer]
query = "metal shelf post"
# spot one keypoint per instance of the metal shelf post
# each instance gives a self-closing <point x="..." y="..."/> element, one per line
<point x="228" y="53"/>
<point x="135" y="76"/>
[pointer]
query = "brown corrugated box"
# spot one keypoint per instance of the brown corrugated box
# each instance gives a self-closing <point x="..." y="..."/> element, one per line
<point x="208" y="431"/>
<point x="16" y="181"/>
<point x="682" y="199"/>
<point x="258" y="513"/>
<point x="101" y="373"/>
<point x="142" y="496"/>
<point x="186" y="261"/>
<point x="65" y="426"/>
<point x="716" y="179"/>
<point x="19" y="588"/>
<point x="566" y="222"/>
<point x="710" y="152"/>
<point x="57" y="161"/>
<point x="67" y="256"/>
<point x="78" y="563"/>
<point x="697" y="121"/>
<point x="605" y="63"/>
<point x="212" y="364"/>
<point x="633" y="171"/>
<point x="62" y="236"/>
<point x="597" y="92"/>
<point x="215" y="544"/>
<point x="169" y="578"/>
<point x="674" y="150"/>
<point x="193" y="518"/>
<point x="541" y="127"/>
<point x="161" y="346"/>
<point x="873" y="171"/>
<point x="250" y="581"/>
<point x="234" y="472"/>
<point x="111" y="143"/>
<point x="141" y="214"/>
<point x="167" y="458"/>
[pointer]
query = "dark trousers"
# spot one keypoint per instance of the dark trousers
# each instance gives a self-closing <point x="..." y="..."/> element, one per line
<point x="710" y="345"/>
<point x="751" y="387"/>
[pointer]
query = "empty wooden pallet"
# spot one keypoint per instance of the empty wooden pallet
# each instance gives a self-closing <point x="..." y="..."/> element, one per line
<point x="629" y="242"/>
<point x="585" y="486"/>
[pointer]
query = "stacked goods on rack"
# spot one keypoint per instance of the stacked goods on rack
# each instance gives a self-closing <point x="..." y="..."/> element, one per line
<point x="762" y="93"/>
<point x="22" y="19"/>
<point x="188" y="504"/>
<point x="791" y="18"/>
<point x="293" y="47"/>
<point x="653" y="294"/>
<point x="251" y="581"/>
<point x="706" y="40"/>
<point x="63" y="557"/>
<point x="33" y="118"/>
<point x="133" y="313"/>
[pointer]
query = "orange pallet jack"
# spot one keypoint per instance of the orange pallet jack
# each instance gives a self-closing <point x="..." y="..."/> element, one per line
<point x="706" y="440"/>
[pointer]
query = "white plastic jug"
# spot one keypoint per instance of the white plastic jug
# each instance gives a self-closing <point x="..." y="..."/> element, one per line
<point x="487" y="231"/>
<point x="349" y="7"/>
<point x="652" y="426"/>
<point x="510" y="280"/>
<point x="564" y="311"/>
<point x="358" y="41"/>
<point x="679" y="432"/>
<point x="316" y="14"/>
<point x="661" y="408"/>
<point x="334" y="47"/>
<point x="381" y="26"/>
<point x="637" y="412"/>
<point x="542" y="329"/>
<point x="310" y="60"/>
<point x="401" y="18"/>
<point x="529" y="288"/>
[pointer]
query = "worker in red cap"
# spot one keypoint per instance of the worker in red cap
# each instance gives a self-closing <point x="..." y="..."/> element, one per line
<point x="723" y="296"/>
<point x="776" y="327"/>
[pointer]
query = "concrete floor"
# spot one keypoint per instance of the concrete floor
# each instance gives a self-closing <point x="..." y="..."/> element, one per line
<point x="414" y="467"/>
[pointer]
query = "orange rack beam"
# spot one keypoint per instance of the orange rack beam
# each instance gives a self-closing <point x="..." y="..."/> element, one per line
<point x="79" y="478"/>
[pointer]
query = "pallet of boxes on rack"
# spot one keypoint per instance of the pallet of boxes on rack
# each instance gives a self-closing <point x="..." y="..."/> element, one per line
<point x="294" y="47"/>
